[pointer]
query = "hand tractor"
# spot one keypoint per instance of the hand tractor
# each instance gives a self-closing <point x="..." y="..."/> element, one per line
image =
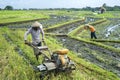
<point x="55" y="62"/>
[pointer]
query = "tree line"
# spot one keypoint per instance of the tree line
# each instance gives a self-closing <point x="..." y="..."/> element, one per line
<point x="108" y="8"/>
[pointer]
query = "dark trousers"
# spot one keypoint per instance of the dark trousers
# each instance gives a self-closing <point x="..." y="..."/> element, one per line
<point x="93" y="35"/>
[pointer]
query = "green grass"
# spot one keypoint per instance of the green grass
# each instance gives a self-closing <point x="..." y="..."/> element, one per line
<point x="109" y="14"/>
<point x="12" y="65"/>
<point x="15" y="67"/>
<point x="16" y="16"/>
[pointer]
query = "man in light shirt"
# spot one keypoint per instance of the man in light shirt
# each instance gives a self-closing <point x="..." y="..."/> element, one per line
<point x="35" y="30"/>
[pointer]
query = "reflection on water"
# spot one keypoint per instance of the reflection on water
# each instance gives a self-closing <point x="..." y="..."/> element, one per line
<point x="110" y="29"/>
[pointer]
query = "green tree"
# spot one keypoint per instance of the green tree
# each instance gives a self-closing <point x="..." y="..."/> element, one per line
<point x="8" y="8"/>
<point x="104" y="5"/>
<point x="116" y="8"/>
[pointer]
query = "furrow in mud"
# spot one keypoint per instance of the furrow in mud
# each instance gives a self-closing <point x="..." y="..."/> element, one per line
<point x="104" y="58"/>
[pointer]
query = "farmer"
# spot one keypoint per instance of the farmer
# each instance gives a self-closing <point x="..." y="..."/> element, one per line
<point x="92" y="30"/>
<point x="102" y="10"/>
<point x="35" y="30"/>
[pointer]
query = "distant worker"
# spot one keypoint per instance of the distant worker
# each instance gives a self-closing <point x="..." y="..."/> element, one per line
<point x="92" y="30"/>
<point x="102" y="10"/>
<point x="35" y="30"/>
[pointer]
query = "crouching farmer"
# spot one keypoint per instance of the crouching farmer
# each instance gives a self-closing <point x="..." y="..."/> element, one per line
<point x="35" y="30"/>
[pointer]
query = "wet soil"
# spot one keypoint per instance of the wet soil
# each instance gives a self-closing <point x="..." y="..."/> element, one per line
<point x="106" y="59"/>
<point x="113" y="44"/>
<point x="66" y="28"/>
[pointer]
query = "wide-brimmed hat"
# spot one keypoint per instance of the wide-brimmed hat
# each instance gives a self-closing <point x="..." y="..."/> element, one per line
<point x="36" y="24"/>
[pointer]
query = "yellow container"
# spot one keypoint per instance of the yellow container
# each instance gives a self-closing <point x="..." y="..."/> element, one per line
<point x="62" y="59"/>
<point x="62" y="52"/>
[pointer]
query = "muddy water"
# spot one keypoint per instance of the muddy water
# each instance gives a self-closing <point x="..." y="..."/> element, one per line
<point x="91" y="19"/>
<point x="106" y="59"/>
<point x="110" y="29"/>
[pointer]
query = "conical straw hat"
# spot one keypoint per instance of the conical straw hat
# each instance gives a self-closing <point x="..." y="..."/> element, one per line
<point x="36" y="24"/>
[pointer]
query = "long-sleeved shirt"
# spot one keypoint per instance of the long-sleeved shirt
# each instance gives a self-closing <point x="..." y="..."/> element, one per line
<point x="35" y="35"/>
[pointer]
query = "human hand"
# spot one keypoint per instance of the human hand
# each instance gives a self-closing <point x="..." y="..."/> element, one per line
<point x="43" y="39"/>
<point x="26" y="42"/>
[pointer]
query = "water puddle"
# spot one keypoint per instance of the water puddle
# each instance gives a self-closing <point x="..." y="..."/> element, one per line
<point x="110" y="29"/>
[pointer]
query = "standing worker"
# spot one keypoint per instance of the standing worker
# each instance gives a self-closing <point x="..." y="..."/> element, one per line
<point x="92" y="29"/>
<point x="35" y="30"/>
<point x="102" y="10"/>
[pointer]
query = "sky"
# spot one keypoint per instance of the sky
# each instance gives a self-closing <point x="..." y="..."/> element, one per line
<point x="20" y="4"/>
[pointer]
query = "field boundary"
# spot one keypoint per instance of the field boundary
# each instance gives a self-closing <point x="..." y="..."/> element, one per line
<point x="8" y="23"/>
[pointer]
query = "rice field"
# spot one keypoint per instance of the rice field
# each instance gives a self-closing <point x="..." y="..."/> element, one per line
<point x="95" y="60"/>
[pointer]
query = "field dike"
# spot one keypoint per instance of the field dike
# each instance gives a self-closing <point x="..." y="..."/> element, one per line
<point x="19" y="22"/>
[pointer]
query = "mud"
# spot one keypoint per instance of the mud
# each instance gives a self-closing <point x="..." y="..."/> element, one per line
<point x="113" y="44"/>
<point x="106" y="59"/>
<point x="66" y="28"/>
<point x="111" y="29"/>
